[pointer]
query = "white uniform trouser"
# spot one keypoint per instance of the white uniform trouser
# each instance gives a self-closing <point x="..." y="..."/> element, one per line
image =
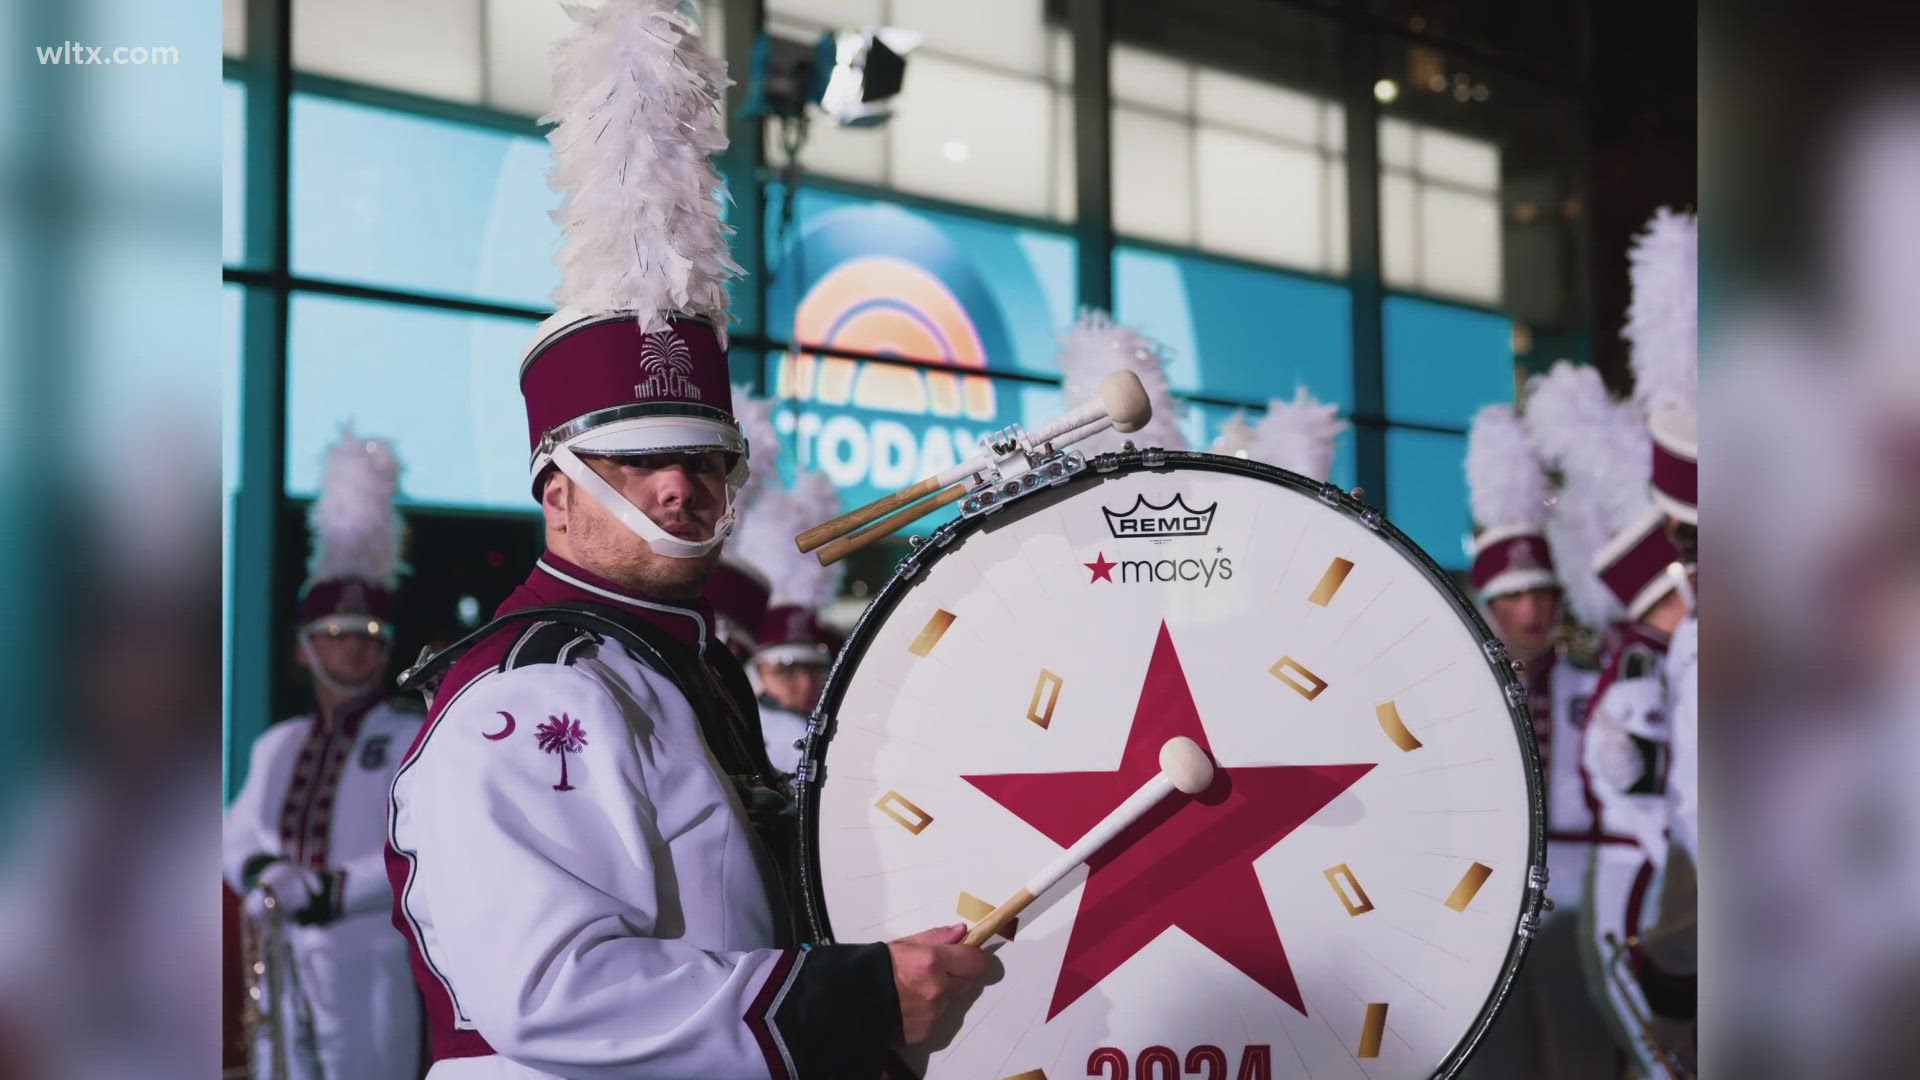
<point x="347" y="1009"/>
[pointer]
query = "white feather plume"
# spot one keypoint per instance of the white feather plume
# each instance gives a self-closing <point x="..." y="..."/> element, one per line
<point x="1599" y="448"/>
<point x="1298" y="435"/>
<point x="1236" y="436"/>
<point x="1506" y="484"/>
<point x="755" y="416"/>
<point x="763" y="539"/>
<point x="1096" y="347"/>
<point x="354" y="524"/>
<point x="1663" y="323"/>
<point x="636" y="116"/>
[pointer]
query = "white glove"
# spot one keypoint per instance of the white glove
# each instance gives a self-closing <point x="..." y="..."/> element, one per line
<point x="1612" y="757"/>
<point x="293" y="887"/>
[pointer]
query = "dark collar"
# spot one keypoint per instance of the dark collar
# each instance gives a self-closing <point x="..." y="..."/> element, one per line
<point x="554" y="580"/>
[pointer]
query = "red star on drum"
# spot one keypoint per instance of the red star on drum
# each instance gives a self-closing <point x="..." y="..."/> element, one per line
<point x="1188" y="863"/>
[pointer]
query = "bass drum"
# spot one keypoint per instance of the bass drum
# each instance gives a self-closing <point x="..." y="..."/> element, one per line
<point x="1350" y="898"/>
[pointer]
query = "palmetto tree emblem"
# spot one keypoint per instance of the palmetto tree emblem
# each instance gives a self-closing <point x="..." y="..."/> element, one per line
<point x="561" y="735"/>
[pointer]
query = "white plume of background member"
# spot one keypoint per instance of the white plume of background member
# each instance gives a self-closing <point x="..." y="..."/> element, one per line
<point x="772" y="513"/>
<point x="1095" y="347"/>
<point x="1599" y="449"/>
<point x="1298" y="435"/>
<point x="634" y="130"/>
<point x="1507" y="486"/>
<point x="354" y="524"/>
<point x="1663" y="316"/>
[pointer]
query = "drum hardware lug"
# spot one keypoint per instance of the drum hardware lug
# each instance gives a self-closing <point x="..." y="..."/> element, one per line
<point x="1056" y="468"/>
<point x="1537" y="879"/>
<point x="1517" y="694"/>
<point x="1371" y="518"/>
<point x="1529" y="924"/>
<point x="1329" y="495"/>
<point x="1106" y="463"/>
<point x="1153" y="457"/>
<point x="804" y="772"/>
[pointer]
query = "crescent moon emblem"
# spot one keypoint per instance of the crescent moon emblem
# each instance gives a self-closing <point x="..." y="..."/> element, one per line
<point x="505" y="731"/>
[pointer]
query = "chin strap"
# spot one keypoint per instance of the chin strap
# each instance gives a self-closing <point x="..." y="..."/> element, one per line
<point x="661" y="541"/>
<point x="319" y="671"/>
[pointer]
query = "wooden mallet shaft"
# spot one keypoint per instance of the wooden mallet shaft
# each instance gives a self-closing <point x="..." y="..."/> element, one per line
<point x="871" y="512"/>
<point x="835" y="550"/>
<point x="1184" y="767"/>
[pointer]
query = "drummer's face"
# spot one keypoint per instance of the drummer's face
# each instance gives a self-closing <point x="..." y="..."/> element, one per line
<point x="685" y="494"/>
<point x="1526" y="620"/>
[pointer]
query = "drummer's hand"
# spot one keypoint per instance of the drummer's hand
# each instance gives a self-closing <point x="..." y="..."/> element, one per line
<point x="930" y="970"/>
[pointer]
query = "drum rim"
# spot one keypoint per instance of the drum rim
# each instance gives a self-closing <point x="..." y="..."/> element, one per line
<point x="819" y="729"/>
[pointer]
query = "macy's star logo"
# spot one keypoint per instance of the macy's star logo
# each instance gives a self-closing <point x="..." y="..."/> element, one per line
<point x="1189" y="863"/>
<point x="1102" y="569"/>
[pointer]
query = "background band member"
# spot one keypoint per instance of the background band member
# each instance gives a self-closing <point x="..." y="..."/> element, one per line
<point x="309" y="824"/>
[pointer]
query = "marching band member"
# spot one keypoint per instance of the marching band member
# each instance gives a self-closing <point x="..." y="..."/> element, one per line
<point x="792" y="652"/>
<point x="792" y="662"/>
<point x="309" y="823"/>
<point x="1549" y="1027"/>
<point x="1663" y="329"/>
<point x="587" y="841"/>
<point x="739" y="595"/>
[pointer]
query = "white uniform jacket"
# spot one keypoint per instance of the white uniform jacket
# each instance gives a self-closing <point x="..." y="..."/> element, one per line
<point x="317" y="796"/>
<point x="345" y="1005"/>
<point x="1683" y="717"/>
<point x="584" y="892"/>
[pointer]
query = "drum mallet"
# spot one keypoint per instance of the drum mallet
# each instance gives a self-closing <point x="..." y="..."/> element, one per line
<point x="1122" y="405"/>
<point x="1184" y="767"/>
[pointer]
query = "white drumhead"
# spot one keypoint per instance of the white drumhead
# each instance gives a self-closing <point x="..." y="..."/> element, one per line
<point x="1343" y="904"/>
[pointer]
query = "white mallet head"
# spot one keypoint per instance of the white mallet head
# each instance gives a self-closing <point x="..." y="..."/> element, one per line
<point x="1126" y="401"/>
<point x="1186" y="765"/>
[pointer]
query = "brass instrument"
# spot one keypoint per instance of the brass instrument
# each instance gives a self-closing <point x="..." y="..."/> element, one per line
<point x="1669" y="1059"/>
<point x="261" y="950"/>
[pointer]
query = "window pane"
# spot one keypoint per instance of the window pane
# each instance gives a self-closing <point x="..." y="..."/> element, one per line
<point x="830" y="150"/>
<point x="519" y="33"/>
<point x="971" y="135"/>
<point x="1337" y="223"/>
<point x="233" y="173"/>
<point x="1258" y="106"/>
<point x="1443" y="362"/>
<point x="1140" y="77"/>
<point x="429" y="47"/>
<point x="873" y="277"/>
<point x="1066" y="195"/>
<point x="1460" y="244"/>
<point x="1471" y="162"/>
<point x="233" y="27"/>
<point x="1399" y="231"/>
<point x="1260" y="199"/>
<point x="1427" y="493"/>
<point x="1152" y="180"/>
<point x="413" y="203"/>
<point x="832" y="12"/>
<point x="1005" y="33"/>
<point x="374" y="365"/>
<point x="1217" y="320"/>
<point x="1396" y="143"/>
